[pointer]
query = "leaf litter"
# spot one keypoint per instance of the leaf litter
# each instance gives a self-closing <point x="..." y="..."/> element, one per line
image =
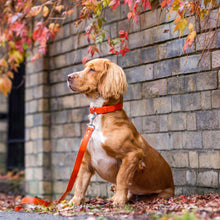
<point x="176" y="208"/>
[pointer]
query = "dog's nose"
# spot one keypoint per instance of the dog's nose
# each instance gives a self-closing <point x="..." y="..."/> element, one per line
<point x="70" y="77"/>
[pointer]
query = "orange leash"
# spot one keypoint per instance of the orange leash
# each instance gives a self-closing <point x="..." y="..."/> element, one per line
<point x="90" y="128"/>
<point x="38" y="201"/>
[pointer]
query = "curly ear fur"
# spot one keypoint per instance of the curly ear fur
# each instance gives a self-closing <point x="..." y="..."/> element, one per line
<point x="113" y="82"/>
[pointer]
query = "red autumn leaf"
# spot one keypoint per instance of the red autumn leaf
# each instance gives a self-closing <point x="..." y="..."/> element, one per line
<point x="123" y="34"/>
<point x="85" y="60"/>
<point x="124" y="50"/>
<point x="146" y="3"/>
<point x="164" y="3"/>
<point x="93" y="50"/>
<point x="129" y="2"/>
<point x="114" y="4"/>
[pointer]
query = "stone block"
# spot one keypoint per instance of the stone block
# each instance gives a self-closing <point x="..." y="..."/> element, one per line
<point x="191" y="177"/>
<point x="161" y="33"/>
<point x="67" y="144"/>
<point x="139" y="108"/>
<point x="205" y="37"/>
<point x="216" y="59"/>
<point x="71" y="130"/>
<point x="176" y="103"/>
<point x="177" y="122"/>
<point x="206" y="81"/>
<point x="140" y="73"/>
<point x="207" y="178"/>
<point x="192" y="140"/>
<point x="75" y="57"/>
<point x="162" y="105"/>
<point x="113" y="30"/>
<point x="59" y="90"/>
<point x="57" y="131"/>
<point x="190" y="83"/>
<point x="112" y="15"/>
<point x="151" y="124"/>
<point x="162" y="69"/>
<point x="175" y="48"/>
<point x="191" y="121"/>
<point x="133" y="92"/>
<point x="127" y="108"/>
<point x="29" y="174"/>
<point x="60" y="117"/>
<point x="149" y="19"/>
<point x="159" y="141"/>
<point x="162" y="51"/>
<point x="216" y="99"/>
<point x="80" y="115"/>
<point x="175" y="85"/>
<point x="45" y="187"/>
<point x="193" y="159"/>
<point x="177" y="140"/>
<point x="176" y="159"/>
<point x="155" y="88"/>
<point x="190" y="102"/>
<point x="147" y="38"/>
<point x="123" y="25"/>
<point x="189" y="64"/>
<point x="149" y="54"/>
<point x="211" y="139"/>
<point x="206" y="100"/>
<point x="58" y="61"/>
<point x="59" y="187"/>
<point x="138" y="40"/>
<point x="175" y="66"/>
<point x="130" y="59"/>
<point x="83" y="40"/>
<point x="207" y="120"/>
<point x="138" y="123"/>
<point x="33" y="187"/>
<point x="55" y="48"/>
<point x="173" y="34"/>
<point x="209" y="160"/>
<point x="163" y="123"/>
<point x="68" y="44"/>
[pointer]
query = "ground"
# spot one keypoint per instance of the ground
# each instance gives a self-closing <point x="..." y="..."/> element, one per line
<point x="177" y="208"/>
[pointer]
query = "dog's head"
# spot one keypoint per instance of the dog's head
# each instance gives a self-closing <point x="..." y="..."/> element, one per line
<point x="100" y="78"/>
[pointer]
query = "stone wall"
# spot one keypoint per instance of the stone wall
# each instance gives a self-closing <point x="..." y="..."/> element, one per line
<point x="173" y="100"/>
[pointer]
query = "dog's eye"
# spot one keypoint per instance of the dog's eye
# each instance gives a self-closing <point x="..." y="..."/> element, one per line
<point x="92" y="70"/>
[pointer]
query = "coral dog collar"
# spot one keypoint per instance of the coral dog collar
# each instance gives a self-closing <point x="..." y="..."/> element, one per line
<point x="106" y="109"/>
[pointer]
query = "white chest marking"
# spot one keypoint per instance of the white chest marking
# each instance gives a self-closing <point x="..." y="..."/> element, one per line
<point x="104" y="165"/>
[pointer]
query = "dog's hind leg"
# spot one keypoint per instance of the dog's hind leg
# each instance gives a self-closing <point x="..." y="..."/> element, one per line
<point x="166" y="193"/>
<point x="125" y="176"/>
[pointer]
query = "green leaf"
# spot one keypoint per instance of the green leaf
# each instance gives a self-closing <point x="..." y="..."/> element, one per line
<point x="25" y="46"/>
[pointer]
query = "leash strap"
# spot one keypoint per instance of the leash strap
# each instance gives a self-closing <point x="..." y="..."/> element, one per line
<point x="78" y="162"/>
<point x="38" y="201"/>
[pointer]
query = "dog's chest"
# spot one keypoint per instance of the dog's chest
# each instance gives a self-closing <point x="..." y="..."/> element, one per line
<point x="106" y="166"/>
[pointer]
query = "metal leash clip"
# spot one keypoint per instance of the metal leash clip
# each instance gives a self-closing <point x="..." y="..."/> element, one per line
<point x="92" y="118"/>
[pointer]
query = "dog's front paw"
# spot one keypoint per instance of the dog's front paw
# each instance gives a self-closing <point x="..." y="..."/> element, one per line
<point x="76" y="201"/>
<point x="119" y="200"/>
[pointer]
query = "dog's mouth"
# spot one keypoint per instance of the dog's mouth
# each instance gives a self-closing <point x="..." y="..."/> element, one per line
<point x="74" y="89"/>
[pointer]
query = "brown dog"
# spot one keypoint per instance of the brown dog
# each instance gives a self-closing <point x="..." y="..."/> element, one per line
<point x="116" y="151"/>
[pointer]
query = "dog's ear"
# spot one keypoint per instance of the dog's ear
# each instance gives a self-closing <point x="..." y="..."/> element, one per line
<point x="113" y="82"/>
